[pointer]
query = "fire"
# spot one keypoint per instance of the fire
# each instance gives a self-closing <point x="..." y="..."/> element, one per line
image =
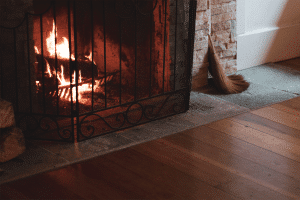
<point x="63" y="82"/>
<point x="62" y="49"/>
<point x="62" y="52"/>
<point x="80" y="78"/>
<point x="48" y="69"/>
<point x="36" y="50"/>
<point x="61" y="77"/>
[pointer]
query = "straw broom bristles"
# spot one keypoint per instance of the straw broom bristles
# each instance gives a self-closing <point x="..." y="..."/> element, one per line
<point x="226" y="84"/>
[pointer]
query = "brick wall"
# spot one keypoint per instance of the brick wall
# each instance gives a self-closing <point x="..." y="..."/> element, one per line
<point x="218" y="18"/>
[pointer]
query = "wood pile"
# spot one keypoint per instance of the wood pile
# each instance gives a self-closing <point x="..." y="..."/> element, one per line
<point x="12" y="142"/>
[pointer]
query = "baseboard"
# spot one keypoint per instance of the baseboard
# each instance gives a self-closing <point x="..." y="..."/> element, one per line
<point x="268" y="45"/>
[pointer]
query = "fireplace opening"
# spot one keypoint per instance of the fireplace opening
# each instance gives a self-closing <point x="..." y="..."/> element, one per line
<point x="100" y="34"/>
<point x="79" y="69"/>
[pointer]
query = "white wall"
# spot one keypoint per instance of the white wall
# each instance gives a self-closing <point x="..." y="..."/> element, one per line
<point x="268" y="31"/>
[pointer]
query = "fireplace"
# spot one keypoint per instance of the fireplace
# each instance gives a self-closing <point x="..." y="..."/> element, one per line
<point x="80" y="69"/>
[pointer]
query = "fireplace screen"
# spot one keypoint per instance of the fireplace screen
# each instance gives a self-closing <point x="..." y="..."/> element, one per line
<point x="79" y="69"/>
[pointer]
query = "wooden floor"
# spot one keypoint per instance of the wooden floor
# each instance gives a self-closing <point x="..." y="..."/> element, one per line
<point x="255" y="155"/>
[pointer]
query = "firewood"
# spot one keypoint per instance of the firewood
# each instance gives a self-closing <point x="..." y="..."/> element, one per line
<point x="12" y="143"/>
<point x="7" y="117"/>
<point x="85" y="66"/>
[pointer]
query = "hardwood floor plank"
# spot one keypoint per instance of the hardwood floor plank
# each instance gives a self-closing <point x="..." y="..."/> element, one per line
<point x="292" y="103"/>
<point x="83" y="181"/>
<point x="37" y="187"/>
<point x="7" y="192"/>
<point x="123" y="179"/>
<point x="203" y="171"/>
<point x="279" y="116"/>
<point x="266" y="125"/>
<point x="156" y="173"/>
<point x="257" y="138"/>
<point x="246" y="150"/>
<point x="287" y="109"/>
<point x="162" y="151"/>
<point x="238" y="165"/>
<point x="292" y="137"/>
<point x="165" y="176"/>
<point x="295" y="100"/>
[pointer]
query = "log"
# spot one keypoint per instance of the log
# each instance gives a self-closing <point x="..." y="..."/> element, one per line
<point x="87" y="68"/>
<point x="12" y="143"/>
<point x="7" y="117"/>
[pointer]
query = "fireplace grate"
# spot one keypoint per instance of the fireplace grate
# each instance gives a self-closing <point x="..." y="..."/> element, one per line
<point x="75" y="69"/>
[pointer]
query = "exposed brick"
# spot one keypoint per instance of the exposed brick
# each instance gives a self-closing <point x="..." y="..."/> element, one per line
<point x="213" y="2"/>
<point x="203" y="26"/>
<point x="233" y="35"/>
<point x="201" y="5"/>
<point x="227" y="53"/>
<point x="221" y="26"/>
<point x="200" y="56"/>
<point x="217" y="9"/>
<point x="201" y="18"/>
<point x="201" y="33"/>
<point x="226" y="59"/>
<point x="222" y="36"/>
<point x="231" y="7"/>
<point x="201" y="43"/>
<point x="219" y="46"/>
<point x="223" y="17"/>
<point x="231" y="63"/>
<point x="223" y="8"/>
<point x="231" y="45"/>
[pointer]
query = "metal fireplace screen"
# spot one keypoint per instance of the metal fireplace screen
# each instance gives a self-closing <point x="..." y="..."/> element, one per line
<point x="79" y="69"/>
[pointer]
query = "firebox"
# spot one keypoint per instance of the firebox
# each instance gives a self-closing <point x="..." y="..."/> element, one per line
<point x="79" y="69"/>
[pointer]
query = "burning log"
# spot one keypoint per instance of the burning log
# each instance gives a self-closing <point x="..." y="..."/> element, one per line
<point x="64" y="91"/>
<point x="87" y="68"/>
<point x="52" y="81"/>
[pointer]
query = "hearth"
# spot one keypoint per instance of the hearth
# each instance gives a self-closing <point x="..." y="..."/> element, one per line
<point x="79" y="69"/>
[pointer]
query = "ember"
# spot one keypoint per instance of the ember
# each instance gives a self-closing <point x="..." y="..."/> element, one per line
<point x="61" y="51"/>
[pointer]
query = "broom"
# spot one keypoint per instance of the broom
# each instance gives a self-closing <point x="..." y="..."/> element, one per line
<point x="225" y="84"/>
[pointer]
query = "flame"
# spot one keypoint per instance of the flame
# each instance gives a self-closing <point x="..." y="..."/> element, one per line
<point x="62" y="49"/>
<point x="74" y="76"/>
<point x="61" y="77"/>
<point x="80" y="78"/>
<point x="36" y="50"/>
<point x="62" y="52"/>
<point x="63" y="82"/>
<point x="48" y="69"/>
